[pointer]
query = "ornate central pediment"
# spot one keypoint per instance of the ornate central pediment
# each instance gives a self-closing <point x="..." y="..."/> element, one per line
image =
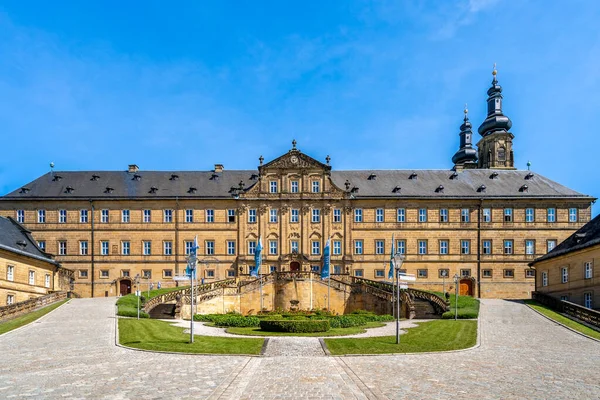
<point x="294" y="159"/>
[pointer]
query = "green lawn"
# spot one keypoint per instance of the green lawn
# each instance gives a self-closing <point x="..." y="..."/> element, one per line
<point x="162" y="336"/>
<point x="27" y="318"/>
<point x="437" y="335"/>
<point x="332" y="332"/>
<point x="548" y="312"/>
<point x="468" y="307"/>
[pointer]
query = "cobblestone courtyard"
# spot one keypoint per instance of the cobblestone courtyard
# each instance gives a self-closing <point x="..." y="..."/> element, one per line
<point x="71" y="353"/>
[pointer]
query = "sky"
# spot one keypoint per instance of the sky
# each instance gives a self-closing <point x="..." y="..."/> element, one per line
<point x="374" y="84"/>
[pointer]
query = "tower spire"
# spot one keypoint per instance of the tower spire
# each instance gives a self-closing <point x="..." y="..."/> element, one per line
<point x="466" y="156"/>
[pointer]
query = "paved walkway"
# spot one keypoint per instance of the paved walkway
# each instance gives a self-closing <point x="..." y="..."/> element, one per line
<point x="70" y="353"/>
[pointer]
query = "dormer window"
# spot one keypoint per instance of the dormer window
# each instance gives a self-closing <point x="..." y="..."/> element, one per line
<point x="396" y="189"/>
<point x="69" y="190"/>
<point x="347" y="184"/>
<point x="413" y="176"/>
<point x="174" y="177"/>
<point x="95" y="177"/>
<point x="372" y="177"/>
<point x="524" y="188"/>
<point x="153" y="190"/>
<point x="528" y="176"/>
<point x="24" y="190"/>
<point x="56" y="178"/>
<point x="439" y="189"/>
<point x="454" y="175"/>
<point x="253" y="177"/>
<point x="481" y="189"/>
<point x="108" y="190"/>
<point x="354" y="190"/>
<point x="192" y="190"/>
<point x="494" y="175"/>
<point x="214" y="177"/>
<point x="136" y="177"/>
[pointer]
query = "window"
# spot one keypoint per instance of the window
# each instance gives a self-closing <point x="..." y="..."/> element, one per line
<point x="422" y="215"/>
<point x="359" y="273"/>
<point x="104" y="247"/>
<point x="104" y="216"/>
<point x="337" y="269"/>
<point x="465" y="273"/>
<point x="316" y="215"/>
<point x="83" y="216"/>
<point x="422" y="246"/>
<point x="530" y="273"/>
<point x="230" y="248"/>
<point x="487" y="246"/>
<point x="465" y="247"/>
<point x="564" y="274"/>
<point x="103" y="273"/>
<point x="294" y="246"/>
<point x="272" y="247"/>
<point x="125" y="248"/>
<point x="168" y="216"/>
<point x="189" y="247"/>
<point x="587" y="270"/>
<point x="550" y="245"/>
<point x="444" y="273"/>
<point x="62" y="248"/>
<point x="32" y="277"/>
<point x="189" y="216"/>
<point x="252" y="216"/>
<point x="337" y="247"/>
<point x="379" y="273"/>
<point x="210" y="216"/>
<point x="273" y="187"/>
<point x="231" y="273"/>
<point x="544" y="279"/>
<point x="464" y="215"/>
<point x="210" y="273"/>
<point x="587" y="300"/>
<point x="379" y="247"/>
<point x="147" y="273"/>
<point x="125" y="216"/>
<point x="401" y="246"/>
<point x="316" y="186"/>
<point x="251" y="247"/>
<point x="572" y="215"/>
<point x="167" y="248"/>
<point x="486" y="273"/>
<point x="551" y="214"/>
<point x="125" y="273"/>
<point x="379" y="215"/>
<point x="294" y="186"/>
<point x="421" y="273"/>
<point x="508" y="247"/>
<point x="147" y="216"/>
<point x="41" y="216"/>
<point x="401" y="215"/>
<point x="10" y="299"/>
<point x="509" y="273"/>
<point x="231" y="215"/>
<point x="83" y="273"/>
<point x="444" y="215"/>
<point x="358" y="215"/>
<point x="273" y="215"/>
<point x="42" y="245"/>
<point x="315" y="268"/>
<point x="294" y="215"/>
<point x="508" y="215"/>
<point x="10" y="273"/>
<point x="529" y="247"/>
<point x="443" y="247"/>
<point x="315" y="247"/>
<point x="147" y="246"/>
<point x="272" y="268"/>
<point x="83" y="248"/>
<point x="529" y="215"/>
<point x="358" y="247"/>
<point x="209" y="246"/>
<point x="20" y="216"/>
<point x="337" y="215"/>
<point x="167" y="273"/>
<point x="62" y="216"/>
<point x="487" y="215"/>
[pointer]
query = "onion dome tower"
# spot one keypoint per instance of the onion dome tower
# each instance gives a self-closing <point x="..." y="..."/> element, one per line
<point x="495" y="147"/>
<point x="466" y="156"/>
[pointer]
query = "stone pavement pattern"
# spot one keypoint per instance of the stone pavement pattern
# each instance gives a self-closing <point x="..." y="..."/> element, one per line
<point x="70" y="353"/>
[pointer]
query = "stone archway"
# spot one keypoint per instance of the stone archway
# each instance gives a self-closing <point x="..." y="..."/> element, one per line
<point x="294" y="266"/>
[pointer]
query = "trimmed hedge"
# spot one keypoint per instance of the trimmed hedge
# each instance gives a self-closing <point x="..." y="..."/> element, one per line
<point x="227" y="320"/>
<point x="467" y="313"/>
<point x="295" y="326"/>
<point x="131" y="313"/>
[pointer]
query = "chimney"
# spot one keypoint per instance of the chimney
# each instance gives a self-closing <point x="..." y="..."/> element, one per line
<point x="218" y="168"/>
<point x="133" y="168"/>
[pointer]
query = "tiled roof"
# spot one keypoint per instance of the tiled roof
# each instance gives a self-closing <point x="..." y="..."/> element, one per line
<point x="15" y="238"/>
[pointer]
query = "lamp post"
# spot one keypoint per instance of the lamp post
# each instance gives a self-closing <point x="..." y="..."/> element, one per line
<point x="398" y="260"/>
<point x="191" y="261"/>
<point x="456" y="296"/>
<point x="444" y="275"/>
<point x="137" y="293"/>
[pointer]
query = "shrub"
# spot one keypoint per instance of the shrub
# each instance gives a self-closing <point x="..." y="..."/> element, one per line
<point x="127" y="312"/>
<point x="347" y="321"/>
<point x="463" y="313"/>
<point x="295" y="326"/>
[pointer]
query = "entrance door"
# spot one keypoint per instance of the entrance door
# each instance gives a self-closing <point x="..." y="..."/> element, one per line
<point x="466" y="287"/>
<point x="294" y="266"/>
<point x="125" y="288"/>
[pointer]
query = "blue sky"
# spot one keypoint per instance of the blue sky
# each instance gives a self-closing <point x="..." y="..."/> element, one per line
<point x="184" y="85"/>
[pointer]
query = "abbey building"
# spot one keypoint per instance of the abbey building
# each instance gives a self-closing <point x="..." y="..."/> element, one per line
<point x="482" y="220"/>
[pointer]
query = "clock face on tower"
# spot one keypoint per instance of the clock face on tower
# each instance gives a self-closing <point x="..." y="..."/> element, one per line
<point x="294" y="159"/>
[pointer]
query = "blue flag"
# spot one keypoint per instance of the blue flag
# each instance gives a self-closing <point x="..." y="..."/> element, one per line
<point x="391" y="273"/>
<point x="257" y="259"/>
<point x="193" y="251"/>
<point x="326" y="258"/>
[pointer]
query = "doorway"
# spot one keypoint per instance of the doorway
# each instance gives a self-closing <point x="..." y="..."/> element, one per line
<point x="125" y="287"/>
<point x="294" y="266"/>
<point x="466" y="287"/>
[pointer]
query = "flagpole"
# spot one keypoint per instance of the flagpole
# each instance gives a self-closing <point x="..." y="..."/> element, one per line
<point x="328" y="293"/>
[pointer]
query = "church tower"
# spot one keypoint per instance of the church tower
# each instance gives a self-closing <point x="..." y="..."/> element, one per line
<point x="495" y="147"/>
<point x="466" y="156"/>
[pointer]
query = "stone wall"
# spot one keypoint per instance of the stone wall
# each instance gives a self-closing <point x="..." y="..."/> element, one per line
<point x="27" y="306"/>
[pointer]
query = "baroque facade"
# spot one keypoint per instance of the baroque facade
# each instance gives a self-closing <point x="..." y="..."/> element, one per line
<point x="483" y="220"/>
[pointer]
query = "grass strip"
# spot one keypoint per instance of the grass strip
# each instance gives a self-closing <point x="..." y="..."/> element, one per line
<point x="468" y="307"/>
<point x="437" y="335"/>
<point x="253" y="331"/>
<point x="550" y="313"/>
<point x="157" y="335"/>
<point x="29" y="317"/>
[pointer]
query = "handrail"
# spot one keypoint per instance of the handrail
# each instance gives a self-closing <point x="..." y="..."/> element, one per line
<point x="589" y="316"/>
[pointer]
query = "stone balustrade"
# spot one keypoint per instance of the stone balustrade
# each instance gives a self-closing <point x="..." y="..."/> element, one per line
<point x="24" y="307"/>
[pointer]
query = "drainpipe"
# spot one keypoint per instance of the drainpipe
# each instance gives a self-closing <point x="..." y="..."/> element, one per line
<point x="92" y="246"/>
<point x="479" y="248"/>
<point x="176" y="239"/>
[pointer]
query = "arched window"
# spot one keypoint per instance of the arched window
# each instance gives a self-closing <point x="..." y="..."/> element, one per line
<point x="501" y="154"/>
